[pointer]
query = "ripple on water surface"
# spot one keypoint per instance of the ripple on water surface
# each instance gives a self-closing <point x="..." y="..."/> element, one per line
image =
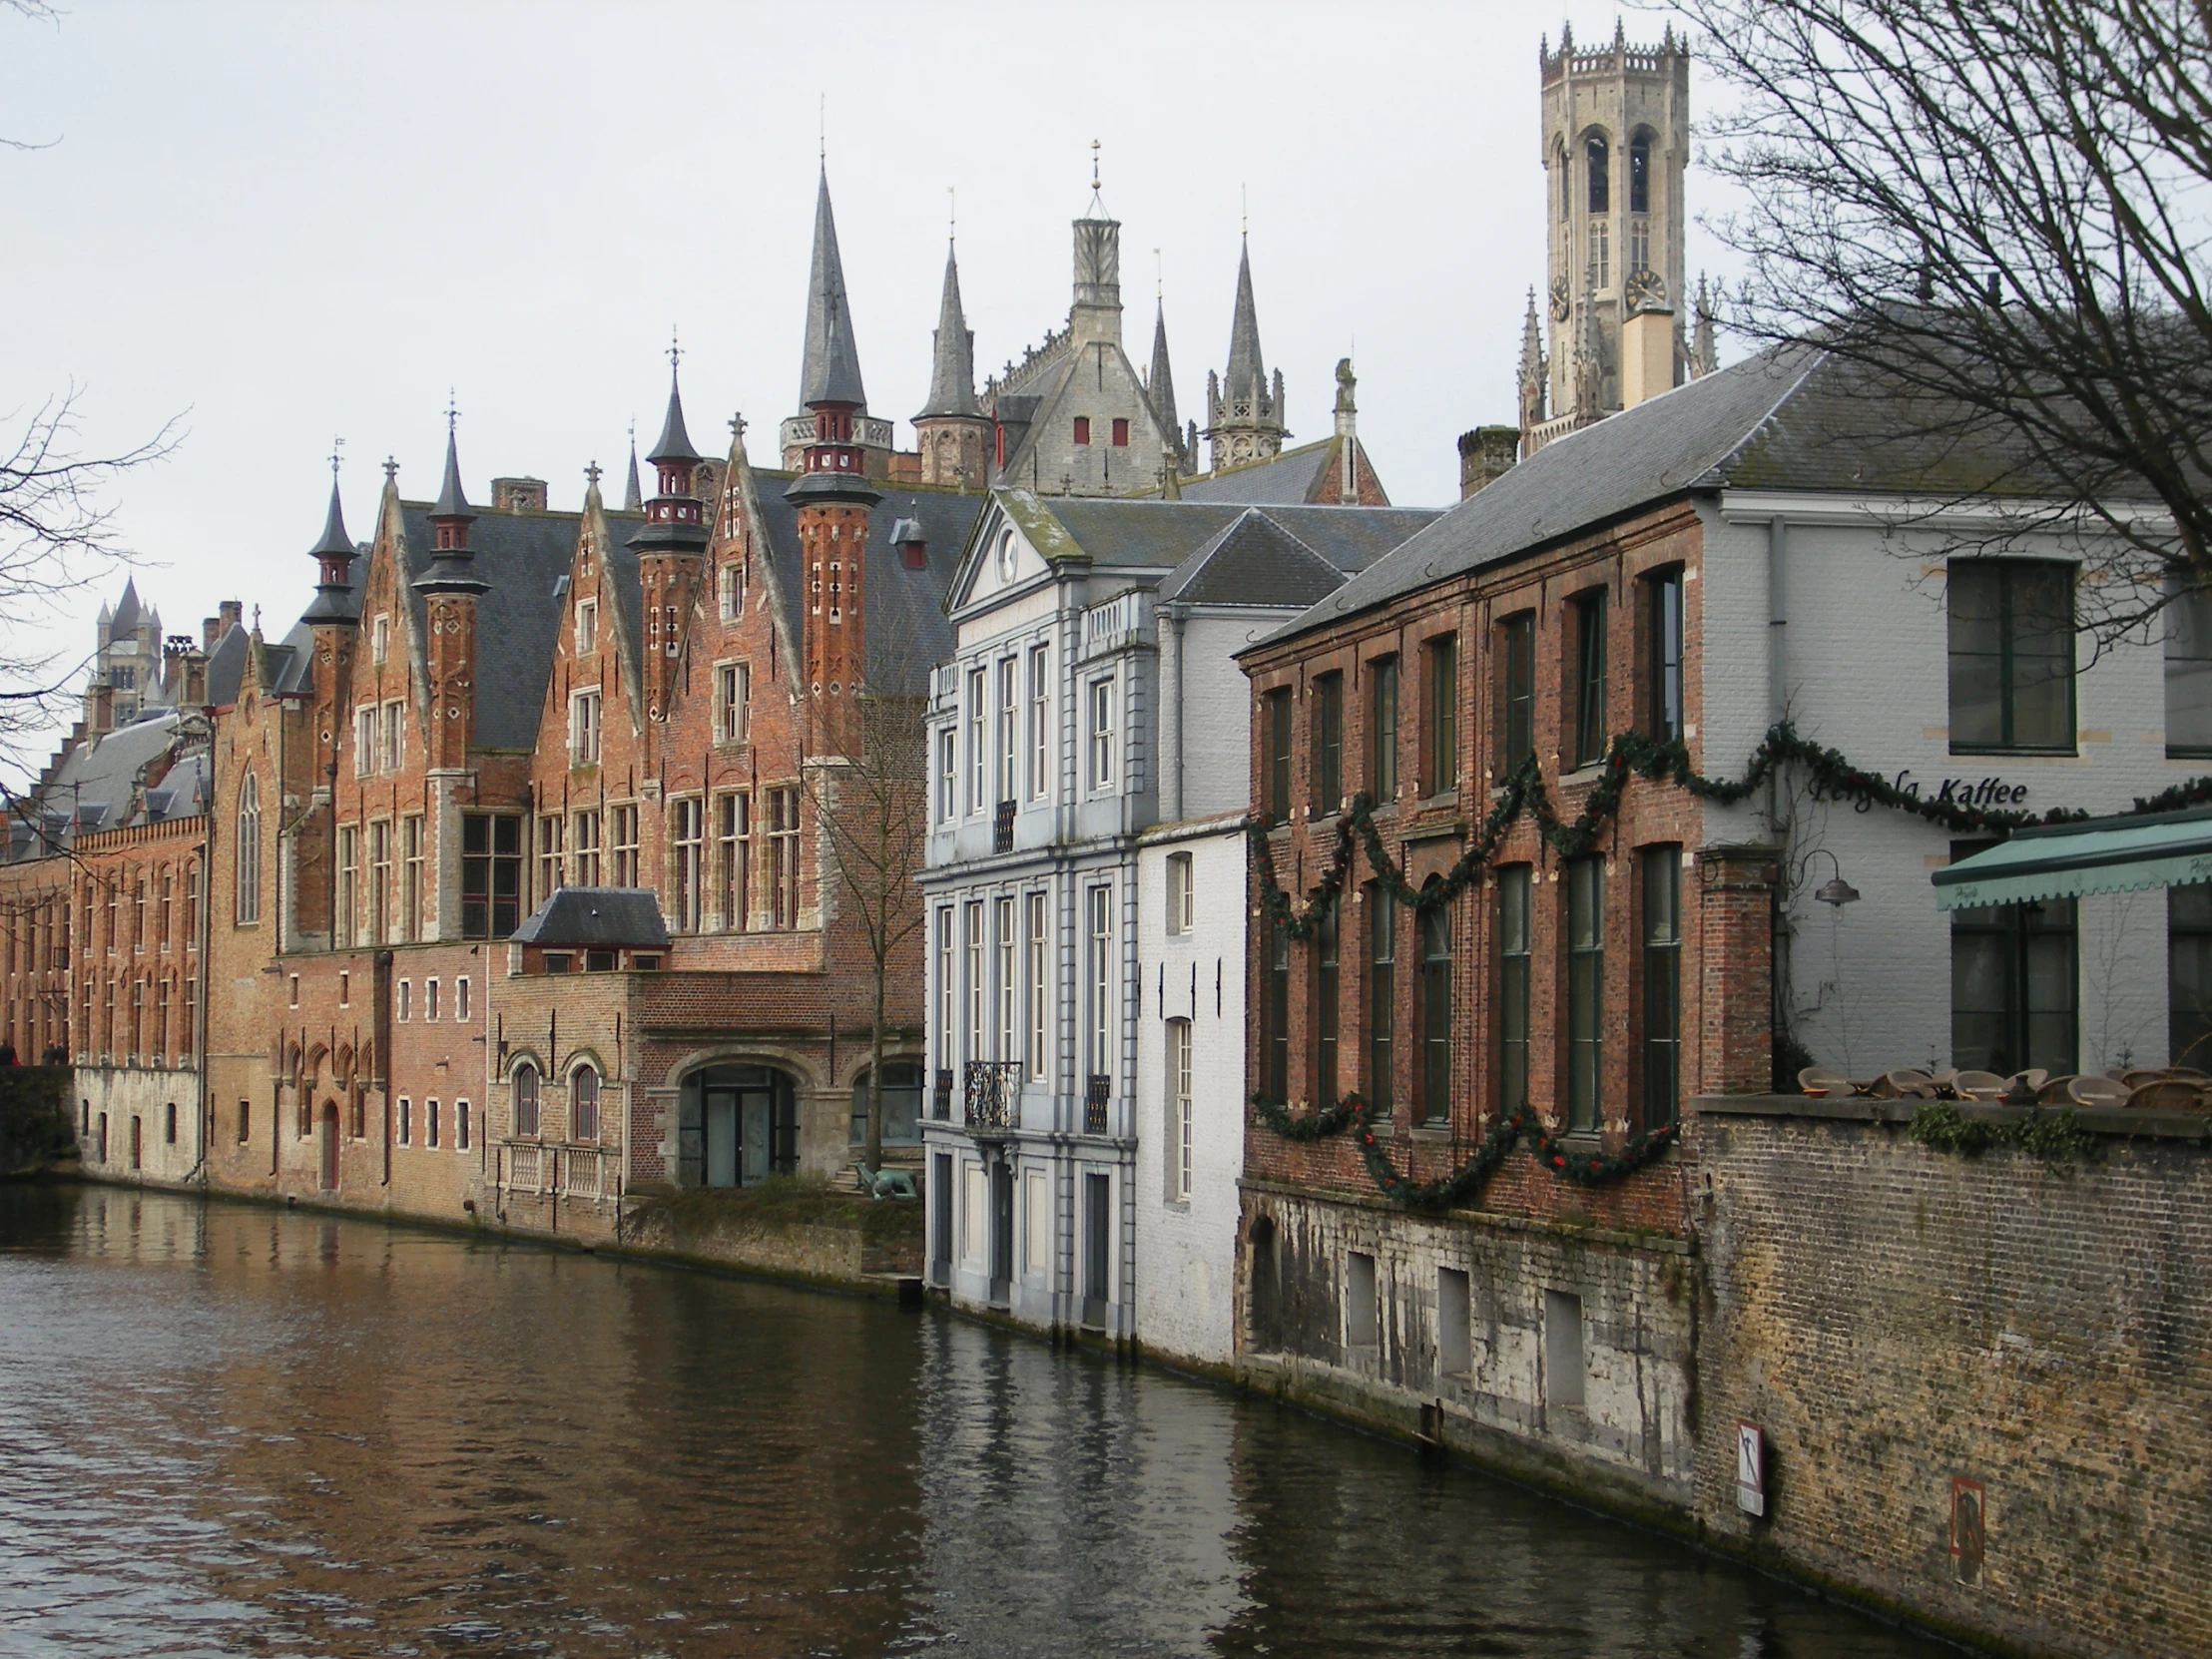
<point x="227" y="1430"/>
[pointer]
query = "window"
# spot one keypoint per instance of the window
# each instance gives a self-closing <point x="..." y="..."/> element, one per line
<point x="1454" y="1331"/>
<point x="365" y="740"/>
<point x="978" y="989"/>
<point x="1382" y="729"/>
<point x="430" y="1123"/>
<point x="2014" y="971"/>
<point x="2011" y="655"/>
<point x="1663" y="636"/>
<point x="1121" y="433"/>
<point x="1179" y="1111"/>
<point x="1585" y="885"/>
<point x="379" y="639"/>
<point x="1178" y="893"/>
<point x="1361" y="1308"/>
<point x="410" y="885"/>
<point x="1587" y="694"/>
<point x="948" y="991"/>
<point x="169" y="1124"/>
<point x="342" y="923"/>
<point x="1082" y="429"/>
<point x="587" y="627"/>
<point x="461" y="998"/>
<point x="1443" y="733"/>
<point x="395" y="725"/>
<point x="586" y="826"/>
<point x="345" y="991"/>
<point x="550" y="862"/>
<point x="1639" y="174"/>
<point x="250" y="851"/>
<point x="460" y="1126"/>
<point x="1040" y="986"/>
<point x="1516" y="692"/>
<point x="583" y="729"/>
<point x="1329" y="744"/>
<point x="526" y="1100"/>
<point x="1435" y="1015"/>
<point x="2189" y="976"/>
<point x="948" y="772"/>
<point x="1009" y="750"/>
<point x="1326" y="1005"/>
<point x="1597" y="158"/>
<point x="429" y="999"/>
<point x="1104" y="1024"/>
<point x="1513" y="892"/>
<point x="687" y="867"/>
<point x="1601" y="254"/>
<point x="2189" y="674"/>
<point x="491" y="874"/>
<point x="1010" y="987"/>
<point x="1102" y="734"/>
<point x="783" y="859"/>
<point x="624" y="820"/>
<point x="1040" y="725"/>
<point x="246" y="1120"/>
<point x="1662" y="969"/>
<point x="1564" y="1367"/>
<point x="379" y="882"/>
<point x="733" y="702"/>
<point x="407" y="1121"/>
<point x="978" y="741"/>
<point x="1275" y="755"/>
<point x="902" y="1105"/>
<point x="1275" y="1012"/>
<point x="733" y="872"/>
<point x="731" y="586"/>
<point x="1382" y="996"/>
<point x="406" y="1000"/>
<point x="583" y="1098"/>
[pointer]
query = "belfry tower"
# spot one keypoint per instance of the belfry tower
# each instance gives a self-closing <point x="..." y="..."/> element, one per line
<point x="1244" y="415"/>
<point x="1616" y="138"/>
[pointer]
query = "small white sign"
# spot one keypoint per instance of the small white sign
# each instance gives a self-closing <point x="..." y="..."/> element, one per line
<point x="1751" y="1470"/>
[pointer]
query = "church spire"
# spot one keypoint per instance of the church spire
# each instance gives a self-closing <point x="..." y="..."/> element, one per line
<point x="1247" y="373"/>
<point x="633" y="498"/>
<point x="1534" y="370"/>
<point x="832" y="369"/>
<point x="1160" y="384"/>
<point x="1245" y="414"/>
<point x="952" y="356"/>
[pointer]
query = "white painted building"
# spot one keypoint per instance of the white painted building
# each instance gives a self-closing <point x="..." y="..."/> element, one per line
<point x="1094" y="697"/>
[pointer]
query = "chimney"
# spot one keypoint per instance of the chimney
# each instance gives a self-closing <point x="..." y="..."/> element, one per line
<point x="518" y="495"/>
<point x="1647" y="355"/>
<point x="231" y="613"/>
<point x="1487" y="454"/>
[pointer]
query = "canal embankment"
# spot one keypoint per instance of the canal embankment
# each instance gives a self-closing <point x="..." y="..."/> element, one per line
<point x="808" y="1232"/>
<point x="36" y="1137"/>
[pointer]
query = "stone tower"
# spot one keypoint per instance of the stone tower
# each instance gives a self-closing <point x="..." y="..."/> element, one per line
<point x="952" y="431"/>
<point x="1616" y="140"/>
<point x="1244" y="414"/>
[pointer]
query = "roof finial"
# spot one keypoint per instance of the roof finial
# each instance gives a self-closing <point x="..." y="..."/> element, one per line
<point x="822" y="127"/>
<point x="1244" y="210"/>
<point x="453" y="412"/>
<point x="591" y="472"/>
<point x="336" y="444"/>
<point x="675" y="351"/>
<point x="391" y="468"/>
<point x="1159" y="275"/>
<point x="1094" y="167"/>
<point x="951" y="215"/>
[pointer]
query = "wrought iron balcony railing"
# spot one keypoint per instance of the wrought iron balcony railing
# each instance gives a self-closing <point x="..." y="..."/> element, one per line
<point x="940" y="1098"/>
<point x="1002" y="827"/>
<point x="1096" y="1092"/>
<point x="994" y="1095"/>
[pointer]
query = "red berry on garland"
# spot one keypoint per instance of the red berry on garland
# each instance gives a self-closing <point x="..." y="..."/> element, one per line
<point x="1558" y="1162"/>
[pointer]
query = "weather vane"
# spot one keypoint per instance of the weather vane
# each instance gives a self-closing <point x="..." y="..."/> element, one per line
<point x="453" y="410"/>
<point x="336" y="444"/>
<point x="674" y="349"/>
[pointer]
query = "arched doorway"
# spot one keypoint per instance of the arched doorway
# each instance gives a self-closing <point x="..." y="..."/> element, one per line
<point x="330" y="1146"/>
<point x="737" y="1126"/>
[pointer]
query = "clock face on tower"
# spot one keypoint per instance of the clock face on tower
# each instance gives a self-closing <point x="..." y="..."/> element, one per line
<point x="1560" y="306"/>
<point x="1645" y="287"/>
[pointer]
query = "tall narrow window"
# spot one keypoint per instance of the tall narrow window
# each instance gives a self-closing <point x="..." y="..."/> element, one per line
<point x="491" y="874"/>
<point x="410" y="880"/>
<point x="733" y="702"/>
<point x="1009" y="714"/>
<point x="583" y="1100"/>
<point x="687" y="885"/>
<point x="248" y="908"/>
<point x="587" y="627"/>
<point x="1435" y="1015"/>
<point x="583" y="729"/>
<point x="2011" y="655"/>
<point x="1327" y="1005"/>
<point x="379" y="882"/>
<point x="395" y="728"/>
<point x="1275" y="1012"/>
<point x="1102" y="734"/>
<point x="1601" y="254"/>
<point x="526" y="1100"/>
<point x="379" y="640"/>
<point x="586" y="826"/>
<point x="1040" y="987"/>
<point x="948" y="775"/>
<point x="623" y="822"/>
<point x="731" y="585"/>
<point x="1585" y="885"/>
<point x="1588" y="615"/>
<point x="978" y="738"/>
<point x="1179" y="906"/>
<point x="1597" y="158"/>
<point x="1382" y="996"/>
<point x="2189" y="976"/>
<point x="1103" y="1021"/>
<point x="1382" y="729"/>
<point x="979" y="987"/>
<point x="1639" y="174"/>
<point x="1662" y="971"/>
<point x="2014" y="970"/>
<point x="1121" y="432"/>
<point x="1040" y="725"/>
<point x="550" y="862"/>
<point x="732" y="872"/>
<point x="1663" y="636"/>
<point x="783" y="859"/>
<point x="1329" y="744"/>
<point x="1275" y="737"/>
<point x="948" y="991"/>
<point x="1516" y="692"/>
<point x="1008" y="983"/>
<point x="1442" y="722"/>
<point x="1082" y="429"/>
<point x="365" y="740"/>
<point x="2189" y="675"/>
<point x="1179" y="1111"/>
<point x="342" y="922"/>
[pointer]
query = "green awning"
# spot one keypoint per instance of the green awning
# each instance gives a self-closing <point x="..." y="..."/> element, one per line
<point x="2066" y="861"/>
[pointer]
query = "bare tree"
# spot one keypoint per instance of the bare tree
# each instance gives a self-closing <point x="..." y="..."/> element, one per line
<point x="1999" y="207"/>
<point x="873" y="804"/>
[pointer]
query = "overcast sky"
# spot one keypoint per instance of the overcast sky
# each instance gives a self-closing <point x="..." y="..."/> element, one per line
<point x="289" y="221"/>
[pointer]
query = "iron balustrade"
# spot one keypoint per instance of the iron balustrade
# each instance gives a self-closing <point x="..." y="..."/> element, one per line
<point x="940" y="1098"/>
<point x="1002" y="827"/>
<point x="1096" y="1092"/>
<point x="994" y="1095"/>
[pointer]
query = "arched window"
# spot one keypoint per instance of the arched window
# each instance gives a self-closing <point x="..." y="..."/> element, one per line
<point x="902" y="1105"/>
<point x="526" y="1099"/>
<point x="1435" y="1015"/>
<point x="583" y="1099"/>
<point x="250" y="851"/>
<point x="1598" y="158"/>
<point x="1567" y="181"/>
<point x="1639" y="174"/>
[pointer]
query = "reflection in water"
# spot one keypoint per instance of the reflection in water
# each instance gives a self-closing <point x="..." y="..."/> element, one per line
<point x="226" y="1428"/>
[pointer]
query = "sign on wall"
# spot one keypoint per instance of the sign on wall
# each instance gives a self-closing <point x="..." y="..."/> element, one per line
<point x="1751" y="1470"/>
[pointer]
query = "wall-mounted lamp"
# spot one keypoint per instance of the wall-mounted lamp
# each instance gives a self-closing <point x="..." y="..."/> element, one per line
<point x="1835" y="890"/>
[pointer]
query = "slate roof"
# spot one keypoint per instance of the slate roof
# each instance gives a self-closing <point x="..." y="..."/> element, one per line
<point x="227" y="663"/>
<point x="1255" y="561"/>
<point x="830" y="371"/>
<point x="600" y="917"/>
<point x="1288" y="478"/>
<point x="1163" y="534"/>
<point x="91" y="784"/>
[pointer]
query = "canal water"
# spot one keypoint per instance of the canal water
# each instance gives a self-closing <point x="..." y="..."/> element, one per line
<point x="227" y="1430"/>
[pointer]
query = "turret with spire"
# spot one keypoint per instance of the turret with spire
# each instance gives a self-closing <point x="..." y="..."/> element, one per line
<point x="1533" y="368"/>
<point x="450" y="588"/>
<point x="1159" y="386"/>
<point x="633" y="498"/>
<point x="1245" y="411"/>
<point x="954" y="432"/>
<point x="671" y="546"/>
<point x="831" y="366"/>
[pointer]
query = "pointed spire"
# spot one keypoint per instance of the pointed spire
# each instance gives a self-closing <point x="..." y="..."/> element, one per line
<point x="126" y="619"/>
<point x="449" y="570"/>
<point x="1531" y="344"/>
<point x="336" y="542"/>
<point x="674" y="442"/>
<point x="952" y="356"/>
<point x="832" y="369"/>
<point x="633" y="498"/>
<point x="1247" y="376"/>
<point x="1160" y="387"/>
<point x="334" y="557"/>
<point x="453" y="502"/>
<point x="1705" y="354"/>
